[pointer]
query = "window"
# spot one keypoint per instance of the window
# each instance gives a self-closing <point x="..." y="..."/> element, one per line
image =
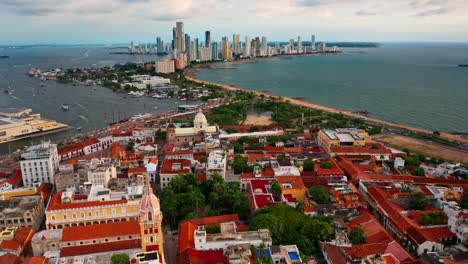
<point x="53" y="217"/>
<point x="64" y="217"/>
<point x="96" y="213"/>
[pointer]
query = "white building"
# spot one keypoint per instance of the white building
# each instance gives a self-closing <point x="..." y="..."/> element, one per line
<point x="457" y="221"/>
<point x="216" y="163"/>
<point x="247" y="47"/>
<point x="229" y="236"/>
<point x="165" y="66"/>
<point x="100" y="172"/>
<point x="205" y="54"/>
<point x="39" y="163"/>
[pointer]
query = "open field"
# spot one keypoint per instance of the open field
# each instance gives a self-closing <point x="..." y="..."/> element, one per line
<point x="258" y="120"/>
<point x="432" y="150"/>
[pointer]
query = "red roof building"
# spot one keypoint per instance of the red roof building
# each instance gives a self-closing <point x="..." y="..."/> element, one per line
<point x="13" y="182"/>
<point x="117" y="229"/>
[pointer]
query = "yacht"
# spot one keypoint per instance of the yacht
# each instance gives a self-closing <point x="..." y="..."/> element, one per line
<point x="65" y="107"/>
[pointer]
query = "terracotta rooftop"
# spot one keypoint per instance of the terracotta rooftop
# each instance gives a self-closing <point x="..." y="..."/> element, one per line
<point x="56" y="203"/>
<point x="124" y="228"/>
<point x="77" y="146"/>
<point x="187" y="228"/>
<point x="15" y="179"/>
<point x="167" y="166"/>
<point x="100" y="248"/>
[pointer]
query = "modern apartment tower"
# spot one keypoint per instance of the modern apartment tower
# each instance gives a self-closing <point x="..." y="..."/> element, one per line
<point x="159" y="45"/>
<point x="188" y="46"/>
<point x="312" y="43"/>
<point x="226" y="49"/>
<point x="214" y="51"/>
<point x="179" y="37"/>
<point x="264" y="45"/>
<point x="247" y="47"/>
<point x="236" y="44"/>
<point x="299" y="44"/>
<point x="207" y="38"/>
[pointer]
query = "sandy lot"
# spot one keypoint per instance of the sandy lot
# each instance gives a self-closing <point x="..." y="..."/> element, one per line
<point x="426" y="148"/>
<point x="258" y="120"/>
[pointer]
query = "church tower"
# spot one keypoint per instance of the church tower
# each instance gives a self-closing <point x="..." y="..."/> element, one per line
<point x="151" y="222"/>
<point x="200" y="122"/>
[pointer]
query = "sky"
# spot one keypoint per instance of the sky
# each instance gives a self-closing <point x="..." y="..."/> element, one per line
<point x="121" y="21"/>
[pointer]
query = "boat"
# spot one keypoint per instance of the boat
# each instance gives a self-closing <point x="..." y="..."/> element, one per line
<point x="42" y="84"/>
<point x="65" y="107"/>
<point x="43" y="79"/>
<point x="79" y="128"/>
<point x="4" y="57"/>
<point x="462" y="65"/>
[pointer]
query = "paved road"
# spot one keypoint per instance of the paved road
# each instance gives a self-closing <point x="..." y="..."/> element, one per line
<point x="170" y="246"/>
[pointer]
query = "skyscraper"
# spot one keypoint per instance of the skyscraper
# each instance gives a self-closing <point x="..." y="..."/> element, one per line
<point x="236" y="49"/>
<point x="173" y="37"/>
<point x="214" y="51"/>
<point x="179" y="37"/>
<point x="264" y="45"/>
<point x="207" y="38"/>
<point x="187" y="44"/>
<point x="247" y="47"/>
<point x="299" y="44"/>
<point x="291" y="45"/>
<point x="197" y="50"/>
<point x="312" y="43"/>
<point x="159" y="45"/>
<point x="226" y="49"/>
<point x="257" y="46"/>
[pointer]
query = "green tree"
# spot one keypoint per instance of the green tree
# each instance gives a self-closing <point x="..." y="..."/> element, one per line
<point x="212" y="228"/>
<point x="319" y="194"/>
<point x="326" y="164"/>
<point x="417" y="202"/>
<point x="270" y="222"/>
<point x="464" y="200"/>
<point x="309" y="164"/>
<point x="191" y="215"/>
<point x="300" y="206"/>
<point x="421" y="157"/>
<point x="231" y="130"/>
<point x="240" y="164"/>
<point x="120" y="259"/>
<point x="254" y="128"/>
<point x="418" y="171"/>
<point x="276" y="189"/>
<point x="356" y="235"/>
<point x="130" y="145"/>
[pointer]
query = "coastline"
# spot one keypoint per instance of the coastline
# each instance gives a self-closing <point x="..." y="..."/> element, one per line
<point x="191" y="73"/>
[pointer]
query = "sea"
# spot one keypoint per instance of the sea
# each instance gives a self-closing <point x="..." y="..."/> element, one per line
<point x="89" y="109"/>
<point x="414" y="84"/>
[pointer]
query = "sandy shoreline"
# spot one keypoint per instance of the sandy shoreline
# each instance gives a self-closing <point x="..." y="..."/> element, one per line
<point x="330" y="109"/>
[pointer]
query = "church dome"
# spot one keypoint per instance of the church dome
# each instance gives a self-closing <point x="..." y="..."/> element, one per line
<point x="200" y="121"/>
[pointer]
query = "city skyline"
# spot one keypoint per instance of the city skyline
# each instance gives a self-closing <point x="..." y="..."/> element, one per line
<point x="120" y="21"/>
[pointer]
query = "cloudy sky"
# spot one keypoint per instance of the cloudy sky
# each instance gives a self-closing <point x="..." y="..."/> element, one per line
<point x="120" y="21"/>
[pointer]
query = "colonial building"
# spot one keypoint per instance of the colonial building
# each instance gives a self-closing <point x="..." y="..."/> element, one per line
<point x="185" y="136"/>
<point x="39" y="163"/>
<point x="22" y="211"/>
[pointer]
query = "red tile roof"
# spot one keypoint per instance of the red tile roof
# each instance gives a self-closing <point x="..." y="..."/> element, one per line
<point x="124" y="228"/>
<point x="9" y="258"/>
<point x="397" y="251"/>
<point x="137" y="170"/>
<point x="36" y="260"/>
<point x="56" y="203"/>
<point x="22" y="237"/>
<point x="77" y="146"/>
<point x="100" y="248"/>
<point x="333" y="253"/>
<point x="363" y="250"/>
<point x="419" y="236"/>
<point x="167" y="166"/>
<point x="187" y="228"/>
<point x="439" y="232"/>
<point x="15" y="179"/>
<point x="205" y="257"/>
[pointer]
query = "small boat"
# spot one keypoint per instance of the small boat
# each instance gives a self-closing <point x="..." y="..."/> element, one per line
<point x="43" y="79"/>
<point x="79" y="128"/>
<point x="65" y="107"/>
<point x="462" y="65"/>
<point x="42" y="84"/>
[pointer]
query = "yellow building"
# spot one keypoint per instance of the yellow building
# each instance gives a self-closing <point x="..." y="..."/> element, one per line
<point x="293" y="186"/>
<point x="17" y="123"/>
<point x="100" y="206"/>
<point x="6" y="195"/>
<point x="341" y="137"/>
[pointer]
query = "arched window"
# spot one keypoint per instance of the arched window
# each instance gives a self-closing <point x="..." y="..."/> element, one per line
<point x="150" y="216"/>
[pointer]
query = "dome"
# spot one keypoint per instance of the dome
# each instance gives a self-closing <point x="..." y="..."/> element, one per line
<point x="200" y="121"/>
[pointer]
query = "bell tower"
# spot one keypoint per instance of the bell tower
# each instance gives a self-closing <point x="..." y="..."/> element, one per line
<point x="151" y="222"/>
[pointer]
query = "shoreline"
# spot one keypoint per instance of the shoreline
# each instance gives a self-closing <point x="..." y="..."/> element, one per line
<point x="384" y="124"/>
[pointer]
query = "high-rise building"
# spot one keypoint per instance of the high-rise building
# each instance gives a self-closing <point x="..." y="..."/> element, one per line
<point x="197" y="50"/>
<point x="159" y="45"/>
<point x="207" y="38"/>
<point x="236" y="44"/>
<point x="323" y="46"/>
<point x="188" y="46"/>
<point x="256" y="46"/>
<point x="299" y="44"/>
<point x="312" y="43"/>
<point x="173" y="37"/>
<point x="291" y="45"/>
<point x="214" y="51"/>
<point x="205" y="53"/>
<point x="165" y="66"/>
<point x="226" y="49"/>
<point x="39" y="164"/>
<point x="179" y="37"/>
<point x="193" y="55"/>
<point x="247" y="47"/>
<point x="264" y="45"/>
